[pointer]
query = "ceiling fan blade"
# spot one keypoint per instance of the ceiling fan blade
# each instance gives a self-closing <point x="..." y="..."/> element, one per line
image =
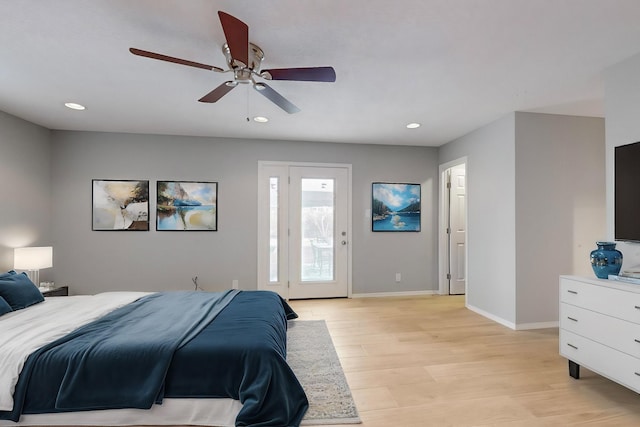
<point x="307" y="74"/>
<point x="161" y="57"/>
<point x="275" y="97"/>
<point x="237" y="34"/>
<point x="218" y="92"/>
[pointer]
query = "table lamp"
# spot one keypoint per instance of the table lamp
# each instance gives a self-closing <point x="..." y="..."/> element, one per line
<point x="33" y="260"/>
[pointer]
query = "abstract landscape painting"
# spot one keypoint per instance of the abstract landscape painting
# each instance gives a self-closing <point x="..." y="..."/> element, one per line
<point x="395" y="207"/>
<point x="120" y="205"/>
<point x="187" y="206"/>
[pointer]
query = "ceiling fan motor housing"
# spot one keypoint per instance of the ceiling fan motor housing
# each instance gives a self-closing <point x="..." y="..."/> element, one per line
<point x="243" y="72"/>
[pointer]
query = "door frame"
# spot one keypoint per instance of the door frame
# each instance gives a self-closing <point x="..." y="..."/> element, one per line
<point x="443" y="248"/>
<point x="262" y="199"/>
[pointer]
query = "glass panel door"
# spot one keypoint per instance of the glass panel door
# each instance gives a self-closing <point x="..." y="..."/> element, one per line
<point x="318" y="220"/>
<point x="303" y="230"/>
<point x="317" y="229"/>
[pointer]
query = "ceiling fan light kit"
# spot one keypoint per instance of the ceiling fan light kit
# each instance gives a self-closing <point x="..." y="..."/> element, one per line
<point x="244" y="60"/>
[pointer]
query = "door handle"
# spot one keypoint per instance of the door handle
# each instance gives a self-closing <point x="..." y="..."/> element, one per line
<point x="344" y="242"/>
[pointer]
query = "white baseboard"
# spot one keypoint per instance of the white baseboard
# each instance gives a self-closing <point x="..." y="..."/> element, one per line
<point x="511" y="325"/>
<point x="394" y="294"/>
<point x="493" y="317"/>
<point x="536" y="325"/>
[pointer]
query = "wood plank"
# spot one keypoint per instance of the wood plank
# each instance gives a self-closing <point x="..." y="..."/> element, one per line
<point x="429" y="361"/>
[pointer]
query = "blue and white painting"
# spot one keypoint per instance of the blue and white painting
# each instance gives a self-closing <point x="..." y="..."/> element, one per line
<point x="395" y="207"/>
<point x="187" y="206"/>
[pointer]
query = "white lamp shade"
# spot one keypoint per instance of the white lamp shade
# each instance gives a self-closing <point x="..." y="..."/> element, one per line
<point x="33" y="258"/>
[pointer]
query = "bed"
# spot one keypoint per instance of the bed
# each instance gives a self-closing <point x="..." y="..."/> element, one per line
<point x="132" y="358"/>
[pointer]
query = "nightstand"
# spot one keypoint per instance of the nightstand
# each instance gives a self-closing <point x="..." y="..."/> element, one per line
<point x="61" y="291"/>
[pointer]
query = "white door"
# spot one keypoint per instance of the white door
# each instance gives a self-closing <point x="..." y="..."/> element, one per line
<point x="303" y="226"/>
<point x="457" y="230"/>
<point x="318" y="232"/>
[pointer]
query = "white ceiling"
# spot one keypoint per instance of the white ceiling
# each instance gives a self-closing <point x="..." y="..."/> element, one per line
<point x="452" y="65"/>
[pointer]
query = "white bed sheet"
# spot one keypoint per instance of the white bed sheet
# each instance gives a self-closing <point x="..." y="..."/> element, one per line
<point x="24" y="331"/>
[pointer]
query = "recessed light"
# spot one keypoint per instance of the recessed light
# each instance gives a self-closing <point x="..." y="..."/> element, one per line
<point x="413" y="125"/>
<point x="260" y="119"/>
<point x="74" y="106"/>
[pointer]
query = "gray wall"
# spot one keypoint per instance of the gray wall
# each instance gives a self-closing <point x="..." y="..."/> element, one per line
<point x="535" y="209"/>
<point x="622" y="110"/>
<point x="25" y="217"/>
<point x="491" y="264"/>
<point x="560" y="206"/>
<point x="95" y="261"/>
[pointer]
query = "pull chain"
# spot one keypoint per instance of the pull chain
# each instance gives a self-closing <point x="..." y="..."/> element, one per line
<point x="248" y="120"/>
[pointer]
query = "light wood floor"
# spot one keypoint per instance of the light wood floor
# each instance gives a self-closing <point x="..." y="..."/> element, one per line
<point x="428" y="361"/>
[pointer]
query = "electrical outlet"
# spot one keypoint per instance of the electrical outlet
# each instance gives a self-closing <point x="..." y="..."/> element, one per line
<point x="398" y="277"/>
<point x="234" y="284"/>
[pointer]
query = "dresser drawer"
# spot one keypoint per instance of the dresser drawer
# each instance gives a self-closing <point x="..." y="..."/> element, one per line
<point x="615" y="365"/>
<point x="612" y="302"/>
<point x="613" y="332"/>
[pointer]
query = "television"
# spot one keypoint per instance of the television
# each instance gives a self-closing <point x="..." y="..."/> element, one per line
<point x="627" y="192"/>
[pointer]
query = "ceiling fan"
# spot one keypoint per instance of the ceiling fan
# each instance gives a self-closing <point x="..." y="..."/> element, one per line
<point x="243" y="59"/>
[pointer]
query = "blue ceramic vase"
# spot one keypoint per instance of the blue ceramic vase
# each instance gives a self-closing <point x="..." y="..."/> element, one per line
<point x="606" y="260"/>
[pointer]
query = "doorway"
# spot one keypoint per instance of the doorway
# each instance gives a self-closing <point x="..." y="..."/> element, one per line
<point x="453" y="226"/>
<point x="304" y="229"/>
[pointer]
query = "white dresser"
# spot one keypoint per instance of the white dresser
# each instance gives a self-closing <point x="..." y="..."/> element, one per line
<point x="600" y="328"/>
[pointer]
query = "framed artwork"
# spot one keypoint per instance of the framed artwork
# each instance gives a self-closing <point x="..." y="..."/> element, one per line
<point x="120" y="205"/>
<point x="187" y="206"/>
<point x="395" y="207"/>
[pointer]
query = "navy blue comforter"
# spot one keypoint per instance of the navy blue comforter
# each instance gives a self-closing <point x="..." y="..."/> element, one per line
<point x="228" y="345"/>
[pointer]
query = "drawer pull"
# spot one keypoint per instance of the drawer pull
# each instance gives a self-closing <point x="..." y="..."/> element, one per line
<point x="575" y="320"/>
<point x="576" y="293"/>
<point x="638" y="374"/>
<point x="572" y="346"/>
<point x="637" y="307"/>
<point x="637" y="340"/>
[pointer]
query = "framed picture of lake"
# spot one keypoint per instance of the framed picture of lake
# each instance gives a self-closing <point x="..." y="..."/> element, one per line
<point x="120" y="205"/>
<point x="187" y="206"/>
<point x="395" y="207"/>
